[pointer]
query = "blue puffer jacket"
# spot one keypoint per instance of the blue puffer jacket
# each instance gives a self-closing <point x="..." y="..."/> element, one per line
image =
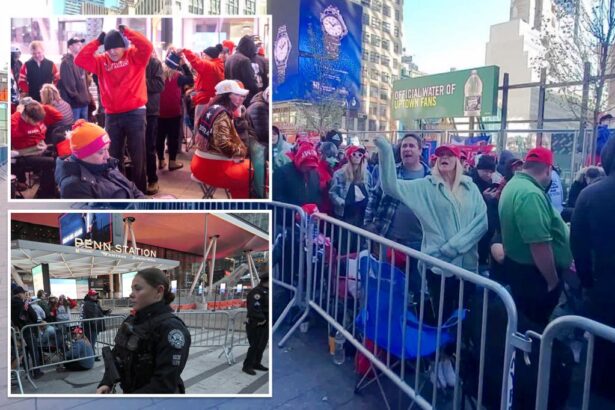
<point x="77" y="182"/>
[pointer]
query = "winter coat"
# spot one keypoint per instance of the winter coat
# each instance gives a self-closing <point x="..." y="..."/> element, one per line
<point x="451" y="228"/>
<point x="155" y="84"/>
<point x="293" y="187"/>
<point x="73" y="85"/>
<point x="122" y="83"/>
<point x="77" y="182"/>
<point x="339" y="190"/>
<point x="258" y="111"/>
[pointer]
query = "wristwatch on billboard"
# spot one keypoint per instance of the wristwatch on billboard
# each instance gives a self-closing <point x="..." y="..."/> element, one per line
<point x="281" y="52"/>
<point x="334" y="29"/>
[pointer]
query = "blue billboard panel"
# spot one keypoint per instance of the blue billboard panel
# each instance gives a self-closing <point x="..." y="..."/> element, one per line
<point x="320" y="56"/>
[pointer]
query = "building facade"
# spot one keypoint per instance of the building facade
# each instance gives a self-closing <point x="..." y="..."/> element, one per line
<point x="200" y="7"/>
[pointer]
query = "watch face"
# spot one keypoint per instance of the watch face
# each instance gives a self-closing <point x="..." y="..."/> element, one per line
<point x="333" y="26"/>
<point x="282" y="48"/>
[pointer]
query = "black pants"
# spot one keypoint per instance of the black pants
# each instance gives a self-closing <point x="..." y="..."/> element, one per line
<point x="530" y="293"/>
<point x="128" y="128"/>
<point x="44" y="166"/>
<point x="151" y="135"/>
<point x="168" y="128"/>
<point x="450" y="302"/>
<point x="258" y="336"/>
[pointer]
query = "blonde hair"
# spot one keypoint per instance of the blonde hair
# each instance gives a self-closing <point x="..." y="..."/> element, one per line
<point x="455" y="189"/>
<point x="355" y="175"/>
<point x="49" y="94"/>
<point x="36" y="44"/>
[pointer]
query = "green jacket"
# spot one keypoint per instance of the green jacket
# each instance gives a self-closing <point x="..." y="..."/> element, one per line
<point x="451" y="229"/>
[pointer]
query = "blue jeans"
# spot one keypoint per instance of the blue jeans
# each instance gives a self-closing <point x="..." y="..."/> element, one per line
<point x="128" y="130"/>
<point x="81" y="112"/>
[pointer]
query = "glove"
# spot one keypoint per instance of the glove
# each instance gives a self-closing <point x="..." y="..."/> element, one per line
<point x="121" y="28"/>
<point x="101" y="38"/>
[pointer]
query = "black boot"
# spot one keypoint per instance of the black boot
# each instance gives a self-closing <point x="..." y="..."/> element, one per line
<point x="261" y="368"/>
<point x="251" y="372"/>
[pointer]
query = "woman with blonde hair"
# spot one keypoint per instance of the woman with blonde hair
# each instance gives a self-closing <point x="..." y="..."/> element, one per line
<point x="351" y="186"/>
<point x="449" y="207"/>
<point x="51" y="96"/>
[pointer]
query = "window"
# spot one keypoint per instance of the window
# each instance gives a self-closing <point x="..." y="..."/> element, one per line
<point x="386" y="27"/>
<point x="397" y="16"/>
<point x="366" y="19"/>
<point x="386" y="45"/>
<point x="214" y="7"/>
<point x="395" y="63"/>
<point x="386" y="10"/>
<point x="366" y="2"/>
<point x="376" y="40"/>
<point x="373" y="111"/>
<point x="250" y="7"/>
<point x="384" y="95"/>
<point x="396" y="48"/>
<point x="366" y="38"/>
<point x="384" y="60"/>
<point x="396" y="32"/>
<point x="374" y="57"/>
<point x="232" y="7"/>
<point x="375" y="74"/>
<point x="373" y="91"/>
<point x="377" y="5"/>
<point x="385" y="77"/>
<point x="372" y="125"/>
<point x="376" y="23"/>
<point x="365" y="55"/>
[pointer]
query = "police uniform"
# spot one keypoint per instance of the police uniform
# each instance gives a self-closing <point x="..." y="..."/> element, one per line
<point x="151" y="350"/>
<point x="257" y="326"/>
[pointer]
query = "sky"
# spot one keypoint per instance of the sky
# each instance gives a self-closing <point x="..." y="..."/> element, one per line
<point x="441" y="34"/>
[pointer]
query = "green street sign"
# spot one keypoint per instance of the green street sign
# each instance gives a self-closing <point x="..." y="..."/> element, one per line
<point x="464" y="93"/>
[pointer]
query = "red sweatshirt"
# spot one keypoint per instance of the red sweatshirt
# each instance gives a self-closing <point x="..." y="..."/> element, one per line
<point x="209" y="73"/>
<point x="52" y="115"/>
<point x="24" y="135"/>
<point x="121" y="83"/>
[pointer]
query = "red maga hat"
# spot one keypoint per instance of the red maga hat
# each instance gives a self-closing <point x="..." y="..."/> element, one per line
<point x="540" y="154"/>
<point x="451" y="149"/>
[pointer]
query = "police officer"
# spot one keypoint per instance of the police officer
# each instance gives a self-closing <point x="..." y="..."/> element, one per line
<point x="257" y="326"/>
<point x="151" y="346"/>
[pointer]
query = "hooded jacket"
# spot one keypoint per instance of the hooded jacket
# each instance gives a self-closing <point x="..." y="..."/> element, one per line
<point x="249" y="68"/>
<point x="72" y="85"/>
<point x="592" y="235"/>
<point x="258" y="111"/>
<point x="121" y="83"/>
<point x="77" y="182"/>
<point x="209" y="73"/>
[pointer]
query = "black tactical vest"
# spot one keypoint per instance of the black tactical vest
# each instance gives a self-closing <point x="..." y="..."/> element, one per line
<point x="37" y="76"/>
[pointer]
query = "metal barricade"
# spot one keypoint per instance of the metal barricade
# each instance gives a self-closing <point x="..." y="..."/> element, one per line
<point x="553" y="329"/>
<point x="238" y="334"/>
<point x="209" y="329"/>
<point x="49" y="344"/>
<point x="16" y="358"/>
<point x="348" y="306"/>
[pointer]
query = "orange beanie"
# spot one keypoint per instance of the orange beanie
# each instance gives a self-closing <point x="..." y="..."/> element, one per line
<point x="87" y="138"/>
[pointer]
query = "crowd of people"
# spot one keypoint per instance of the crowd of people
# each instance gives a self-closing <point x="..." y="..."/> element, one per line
<point x="47" y="327"/>
<point x="116" y="147"/>
<point x="500" y="216"/>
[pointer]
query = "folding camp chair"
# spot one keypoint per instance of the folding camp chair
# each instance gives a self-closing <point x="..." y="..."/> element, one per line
<point x="382" y="317"/>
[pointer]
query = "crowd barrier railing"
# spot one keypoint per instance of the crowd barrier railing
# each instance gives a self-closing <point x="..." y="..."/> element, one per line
<point x="50" y="344"/>
<point x="16" y="360"/>
<point x="210" y="329"/>
<point x="383" y="314"/>
<point x="555" y="328"/>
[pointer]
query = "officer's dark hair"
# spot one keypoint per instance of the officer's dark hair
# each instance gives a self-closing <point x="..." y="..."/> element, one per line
<point x="155" y="277"/>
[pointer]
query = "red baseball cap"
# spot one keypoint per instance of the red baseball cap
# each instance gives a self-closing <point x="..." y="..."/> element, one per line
<point x="352" y="149"/>
<point x="451" y="149"/>
<point x="540" y="154"/>
<point x="92" y="292"/>
<point x="306" y="156"/>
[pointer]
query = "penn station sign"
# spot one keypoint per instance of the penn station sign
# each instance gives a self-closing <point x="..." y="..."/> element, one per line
<point x="118" y="249"/>
<point x="464" y="93"/>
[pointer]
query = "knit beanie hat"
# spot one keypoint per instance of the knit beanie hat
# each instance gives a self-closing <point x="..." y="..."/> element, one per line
<point x="334" y="137"/>
<point x="115" y="39"/>
<point x="87" y="138"/>
<point x="486" y="162"/>
<point x="172" y="61"/>
<point x="214" y="52"/>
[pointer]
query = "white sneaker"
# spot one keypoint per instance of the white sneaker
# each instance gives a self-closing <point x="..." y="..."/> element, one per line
<point x="449" y="373"/>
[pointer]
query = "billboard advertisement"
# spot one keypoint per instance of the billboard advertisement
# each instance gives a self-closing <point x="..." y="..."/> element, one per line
<point x="317" y="50"/>
<point x="464" y="93"/>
